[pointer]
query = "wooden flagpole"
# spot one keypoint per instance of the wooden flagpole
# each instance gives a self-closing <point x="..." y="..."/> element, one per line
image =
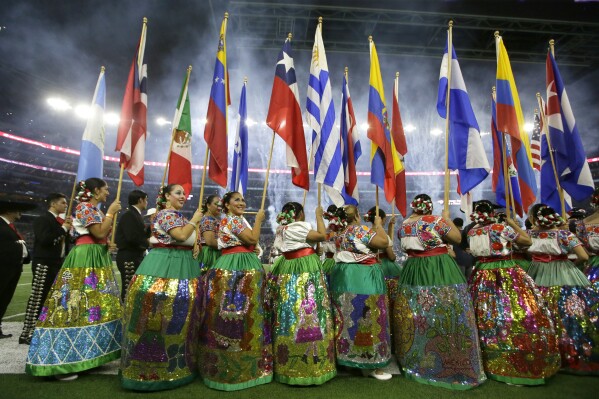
<point x="267" y="170"/>
<point x="449" y="61"/>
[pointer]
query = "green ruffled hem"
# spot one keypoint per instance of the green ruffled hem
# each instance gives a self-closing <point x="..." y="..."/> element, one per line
<point x="390" y="268"/>
<point x="365" y="366"/>
<point x="557" y="273"/>
<point x="358" y="279"/>
<point x="500" y="264"/>
<point x="523" y="263"/>
<point x="169" y="263"/>
<point x="208" y="257"/>
<point x="517" y="380"/>
<point x="149" y="386"/>
<point x="45" y="371"/>
<point x="593" y="261"/>
<point x="305" y="264"/>
<point x="238" y="261"/>
<point x="86" y="255"/>
<point x="328" y="265"/>
<point x="455" y="387"/>
<point x="305" y="380"/>
<point x="431" y="270"/>
<point x="237" y="387"/>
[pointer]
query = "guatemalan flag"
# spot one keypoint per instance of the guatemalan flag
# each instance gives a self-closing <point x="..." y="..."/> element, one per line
<point x="285" y="116"/>
<point x="350" y="145"/>
<point x="215" y="131"/>
<point x="570" y="160"/>
<point x="385" y="163"/>
<point x="466" y="150"/>
<point x="510" y="120"/>
<point x="239" y="176"/>
<point x="91" y="160"/>
<point x="131" y="134"/>
<point x="320" y="115"/>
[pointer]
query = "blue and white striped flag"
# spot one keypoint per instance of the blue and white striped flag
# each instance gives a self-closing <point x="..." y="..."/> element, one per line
<point x="239" y="177"/>
<point x="91" y="157"/>
<point x="325" y="156"/>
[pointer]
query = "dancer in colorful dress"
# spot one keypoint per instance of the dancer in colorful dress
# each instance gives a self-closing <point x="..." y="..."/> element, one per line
<point x="359" y="295"/>
<point x="80" y="327"/>
<point x="435" y="332"/>
<point x="516" y="332"/>
<point x="235" y="338"/>
<point x="303" y="337"/>
<point x="572" y="301"/>
<point x="209" y="230"/>
<point x="587" y="231"/>
<point x="162" y="304"/>
<point x="328" y="245"/>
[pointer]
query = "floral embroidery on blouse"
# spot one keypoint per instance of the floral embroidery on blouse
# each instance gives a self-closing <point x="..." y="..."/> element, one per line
<point x="229" y="229"/>
<point x="588" y="234"/>
<point x="166" y="220"/>
<point x="500" y="237"/>
<point x="208" y="223"/>
<point x="352" y="235"/>
<point x="87" y="214"/>
<point x="564" y="238"/>
<point x="428" y="229"/>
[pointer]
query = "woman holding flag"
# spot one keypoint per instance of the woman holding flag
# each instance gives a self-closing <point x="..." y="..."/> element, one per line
<point x="516" y="332"/>
<point x="587" y="231"/>
<point x="303" y="337"/>
<point x="359" y="296"/>
<point x="572" y="301"/>
<point x="162" y="305"/>
<point x="79" y="327"/>
<point x="435" y="331"/>
<point x="328" y="246"/>
<point x="235" y="337"/>
<point x="209" y="230"/>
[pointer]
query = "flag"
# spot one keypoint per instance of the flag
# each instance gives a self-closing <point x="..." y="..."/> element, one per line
<point x="385" y="163"/>
<point x="179" y="167"/>
<point x="215" y="131"/>
<point x="399" y="138"/>
<point x="535" y="143"/>
<point x="131" y="134"/>
<point x="91" y="160"/>
<point x="239" y="177"/>
<point x="570" y="160"/>
<point x="466" y="152"/>
<point x="498" y="182"/>
<point x="325" y="155"/>
<point x="510" y="120"/>
<point x="285" y="116"/>
<point x="350" y="146"/>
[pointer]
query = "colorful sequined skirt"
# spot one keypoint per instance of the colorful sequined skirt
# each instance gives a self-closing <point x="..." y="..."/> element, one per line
<point x="436" y="339"/>
<point x="391" y="272"/>
<point x="235" y="335"/>
<point x="303" y="335"/>
<point x="79" y="327"/>
<point x="208" y="257"/>
<point x="327" y="267"/>
<point x="592" y="270"/>
<point x="360" y="309"/>
<point x="574" y="306"/>
<point x="517" y="335"/>
<point x="161" y="322"/>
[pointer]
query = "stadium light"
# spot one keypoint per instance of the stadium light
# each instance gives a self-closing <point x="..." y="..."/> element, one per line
<point x="58" y="104"/>
<point x="160" y="121"/>
<point x="111" y="118"/>
<point x="409" y="128"/>
<point x="249" y="122"/>
<point x="82" y="111"/>
<point x="436" y="132"/>
<point x="364" y="126"/>
<point x="528" y="127"/>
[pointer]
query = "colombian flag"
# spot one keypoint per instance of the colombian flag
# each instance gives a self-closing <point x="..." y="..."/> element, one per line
<point x="510" y="120"/>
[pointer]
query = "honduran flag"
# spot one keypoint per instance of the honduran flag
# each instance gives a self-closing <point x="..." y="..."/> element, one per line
<point x="510" y="120"/>
<point x="215" y="131"/>
<point x="285" y="116"/>
<point x="320" y="115"/>
<point x="570" y="160"/>
<point x="399" y="138"/>
<point x="466" y="150"/>
<point x="385" y="163"/>
<point x="498" y="180"/>
<point x="239" y="176"/>
<point x="179" y="167"/>
<point x="91" y="157"/>
<point x="351" y="149"/>
<point x="131" y="134"/>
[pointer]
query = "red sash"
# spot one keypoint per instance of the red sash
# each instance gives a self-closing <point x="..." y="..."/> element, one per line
<point x="430" y="252"/>
<point x="167" y="246"/>
<point x="545" y="258"/>
<point x="237" y="249"/>
<point x="88" y="239"/>
<point x="369" y="261"/>
<point x="298" y="253"/>
<point x="489" y="259"/>
<point x="519" y="255"/>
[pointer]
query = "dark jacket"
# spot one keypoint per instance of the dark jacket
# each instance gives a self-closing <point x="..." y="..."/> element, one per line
<point x="49" y="236"/>
<point x="11" y="251"/>
<point x="131" y="232"/>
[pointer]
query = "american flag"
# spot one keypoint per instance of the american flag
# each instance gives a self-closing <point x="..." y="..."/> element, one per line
<point x="535" y="142"/>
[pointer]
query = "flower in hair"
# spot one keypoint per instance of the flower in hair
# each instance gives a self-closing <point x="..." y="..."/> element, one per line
<point x="84" y="194"/>
<point x="421" y="205"/>
<point x="284" y="218"/>
<point x="161" y="198"/>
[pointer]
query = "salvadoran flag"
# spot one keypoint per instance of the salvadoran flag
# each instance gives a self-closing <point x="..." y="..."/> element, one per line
<point x="91" y="160"/>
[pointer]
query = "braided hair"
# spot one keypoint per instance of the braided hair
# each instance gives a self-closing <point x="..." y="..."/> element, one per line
<point x="370" y="215"/>
<point x="547" y="217"/>
<point x="86" y="188"/>
<point x="422" y="204"/>
<point x="484" y="212"/>
<point x="289" y="213"/>
<point x="346" y="215"/>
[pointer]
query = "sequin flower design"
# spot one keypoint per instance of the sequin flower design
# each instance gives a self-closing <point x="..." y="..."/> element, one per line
<point x="282" y="354"/>
<point x="426" y="300"/>
<point x="575" y="306"/>
<point x="91" y="281"/>
<point x="176" y="357"/>
<point x="343" y="346"/>
<point x="43" y="314"/>
<point x="265" y="363"/>
<point x="95" y="314"/>
<point x="420" y="323"/>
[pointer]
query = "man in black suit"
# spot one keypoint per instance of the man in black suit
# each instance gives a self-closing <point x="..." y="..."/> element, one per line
<point x="131" y="238"/>
<point x="49" y="249"/>
<point x="13" y="252"/>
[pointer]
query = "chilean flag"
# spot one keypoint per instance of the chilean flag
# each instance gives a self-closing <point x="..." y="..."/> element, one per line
<point x="285" y="117"/>
<point x="131" y="135"/>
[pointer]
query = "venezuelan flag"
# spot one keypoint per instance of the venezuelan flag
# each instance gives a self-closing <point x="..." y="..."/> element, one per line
<point x="385" y="162"/>
<point x="510" y="120"/>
